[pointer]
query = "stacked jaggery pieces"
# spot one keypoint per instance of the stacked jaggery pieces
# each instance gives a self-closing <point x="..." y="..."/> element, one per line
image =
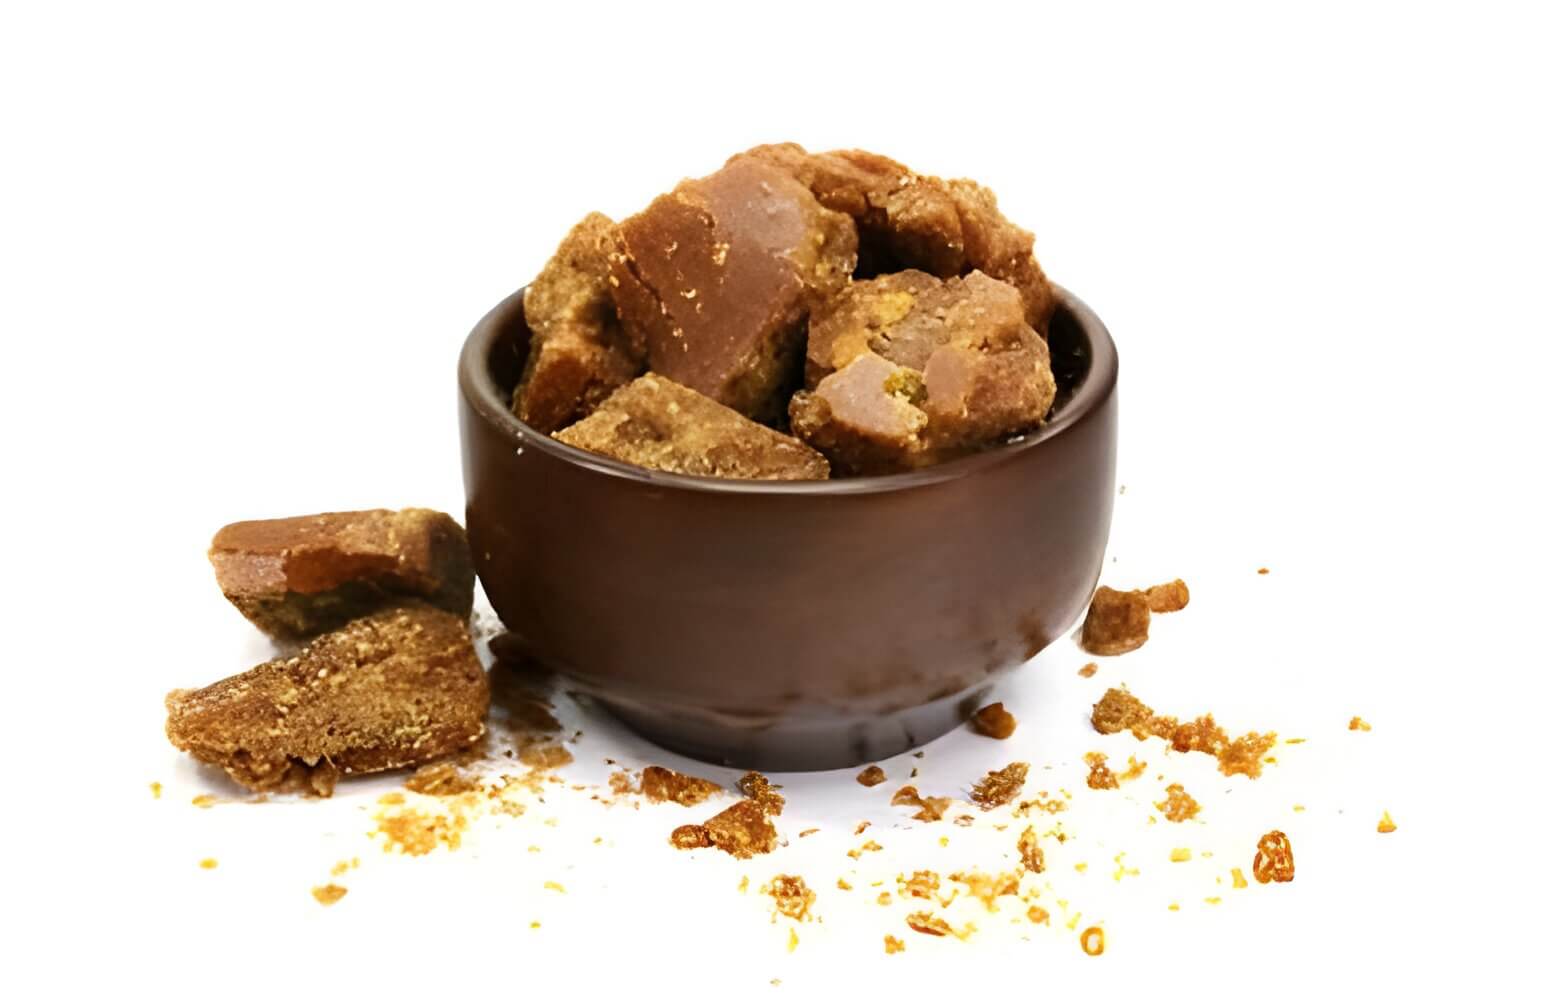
<point x="889" y="319"/>
<point x="390" y="679"/>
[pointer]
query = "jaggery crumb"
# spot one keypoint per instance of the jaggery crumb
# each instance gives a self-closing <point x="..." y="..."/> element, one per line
<point x="1179" y="854"/>
<point x="1029" y="851"/>
<point x="1120" y="710"/>
<point x="1166" y="597"/>
<point x="203" y="801"/>
<point x="998" y="788"/>
<point x="546" y="756"/>
<point x="792" y="897"/>
<point x="921" y="884"/>
<point x="1088" y="669"/>
<point x="1246" y="755"/>
<point x="994" y="721"/>
<point x="1262" y="571"/>
<point x="925" y="923"/>
<point x="156" y="787"/>
<point x="208" y="863"/>
<point x="621" y="783"/>
<point x="328" y="895"/>
<point x="862" y="826"/>
<point x="690" y="836"/>
<point x="660" y="784"/>
<point x="1178" y="806"/>
<point x="342" y="867"/>
<point x="1117" y="622"/>
<point x="417" y="833"/>
<point x="871" y="775"/>
<point x="741" y="831"/>
<point x="1100" y="774"/>
<point x="757" y="787"/>
<point x="884" y="899"/>
<point x="841" y="884"/>
<point x="892" y="945"/>
<point x="870" y="845"/>
<point x="1237" y="878"/>
<point x="1039" y="915"/>
<point x="929" y="809"/>
<point x="1385" y="825"/>
<point x="441" y="779"/>
<point x="1092" y="941"/>
<point x="1275" y="860"/>
<point x="1358" y="724"/>
<point x="987" y="888"/>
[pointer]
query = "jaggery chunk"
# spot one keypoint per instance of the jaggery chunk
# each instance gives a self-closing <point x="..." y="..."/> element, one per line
<point x="871" y="775"/>
<point x="757" y="787"/>
<point x="659" y="784"/>
<point x="1119" y="709"/>
<point x="691" y="836"/>
<point x="1100" y="774"/>
<point x="659" y="424"/>
<point x="1117" y="622"/>
<point x="998" y="788"/>
<point x="913" y="221"/>
<point x="1178" y="806"/>
<point x="1245" y="755"/>
<point x="994" y="721"/>
<point x="742" y="830"/>
<point x="295" y="577"/>
<point x="1166" y="597"/>
<point x="716" y="279"/>
<point x="395" y="689"/>
<point x="1029" y="851"/>
<point x="892" y="945"/>
<point x="928" y="809"/>
<point x="579" y="353"/>
<point x="792" y="897"/>
<point x="922" y="884"/>
<point x="905" y="370"/>
<point x="329" y="894"/>
<point x="1275" y="860"/>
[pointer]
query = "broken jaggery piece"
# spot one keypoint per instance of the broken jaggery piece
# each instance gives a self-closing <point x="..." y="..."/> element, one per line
<point x="1245" y="755"/>
<point x="658" y="424"/>
<point x="870" y="776"/>
<point x="925" y="922"/>
<point x="741" y="831"/>
<point x="717" y="278"/>
<point x="398" y="688"/>
<point x="328" y="895"/>
<point x="994" y="721"/>
<point x="905" y="370"/>
<point x="1117" y="622"/>
<point x="1088" y="669"/>
<point x="660" y="784"/>
<point x="792" y="897"/>
<point x="757" y="787"/>
<point x="892" y="945"/>
<point x="579" y="353"/>
<point x="928" y="809"/>
<point x="295" y="577"/>
<point x="1358" y="724"/>
<point x="921" y="884"/>
<point x="1119" y="709"/>
<point x="1178" y="806"/>
<point x="1385" y="824"/>
<point x="690" y="836"/>
<point x="998" y="788"/>
<point x="909" y="220"/>
<point x="1166" y="597"/>
<point x="442" y="779"/>
<point x="1100" y="774"/>
<point x="1275" y="860"/>
<point x="987" y="888"/>
<point x="1030" y="852"/>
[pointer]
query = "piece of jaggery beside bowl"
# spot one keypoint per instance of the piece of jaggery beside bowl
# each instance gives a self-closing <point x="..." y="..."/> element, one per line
<point x="717" y="278"/>
<point x="398" y="688"/>
<point x="656" y="423"/>
<point x="908" y="220"/>
<point x="294" y="577"/>
<point x="579" y="353"/>
<point x="1117" y="622"/>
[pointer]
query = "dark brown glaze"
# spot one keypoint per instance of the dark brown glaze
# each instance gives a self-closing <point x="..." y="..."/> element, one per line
<point x="792" y="625"/>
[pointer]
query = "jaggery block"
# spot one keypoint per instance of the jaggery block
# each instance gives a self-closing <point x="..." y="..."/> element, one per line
<point x="298" y="576"/>
<point x="913" y="221"/>
<point x="717" y="279"/>
<point x="395" y="689"/>
<point x="908" y="369"/>
<point x="994" y="721"/>
<point x="579" y="352"/>
<point x="659" y="424"/>
<point x="1117" y="622"/>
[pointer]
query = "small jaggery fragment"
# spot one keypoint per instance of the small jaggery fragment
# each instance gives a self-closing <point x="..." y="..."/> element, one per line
<point x="987" y="888"/>
<point x="924" y="922"/>
<point x="929" y="809"/>
<point x="690" y="836"/>
<point x="1179" y="854"/>
<point x="884" y="899"/>
<point x="208" y="863"/>
<point x="1119" y="710"/>
<point x="1358" y="724"/>
<point x="998" y="788"/>
<point x="1093" y="941"/>
<point x="579" y="353"/>
<point x="295" y="577"/>
<point x="156" y="788"/>
<point x="1030" y="852"/>
<point x="871" y="845"/>
<point x="842" y="885"/>
<point x="1385" y="824"/>
<point x="862" y="826"/>
<point x="922" y="885"/>
<point x="717" y="278"/>
<point x="994" y="721"/>
<point x="870" y="776"/>
<point x="892" y="945"/>
<point x="1088" y="669"/>
<point x="1100" y="774"/>
<point x="1275" y="860"/>
<point x="441" y="779"/>
<point x="1166" y="597"/>
<point x="328" y="895"/>
<point x="1038" y="915"/>
<point x="1246" y="754"/>
<point x="1237" y="878"/>
<point x="658" y="424"/>
<point x="660" y="784"/>
<point x="742" y="831"/>
<point x="1178" y="806"/>
<point x="398" y="688"/>
<point x="546" y="756"/>
<point x="1117" y="622"/>
<point x="417" y="833"/>
<point x="757" y="787"/>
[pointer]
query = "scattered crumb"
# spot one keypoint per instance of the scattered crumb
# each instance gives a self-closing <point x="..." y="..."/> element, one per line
<point x="998" y="788"/>
<point x="1275" y="860"/>
<point x="660" y="784"/>
<point x="1100" y="774"/>
<point x="1385" y="825"/>
<point x="1093" y="941"/>
<point x="742" y="885"/>
<point x="884" y="899"/>
<point x="965" y="820"/>
<point x="1175" y="906"/>
<point x="1135" y="769"/>
<point x="1298" y="808"/>
<point x="808" y="832"/>
<point x="1178" y="806"/>
<point x="554" y="886"/>
<point x="1081" y="866"/>
<point x="1117" y="622"/>
<point x="862" y="826"/>
<point x="1359" y="724"/>
<point x="156" y="787"/>
<point x="621" y="783"/>
<point x="922" y="885"/>
<point x="203" y="801"/>
<point x="1029" y="851"/>
<point x="416" y="832"/>
<point x="790" y="945"/>
<point x="987" y="888"/>
<point x="929" y="810"/>
<point x="1295" y="739"/>
<point x="1088" y="669"/>
<point x="341" y="867"/>
<point x="757" y="787"/>
<point x="1166" y="597"/>
<point x="1122" y="871"/>
<point x="871" y="775"/>
<point x="742" y="831"/>
<point x="892" y="945"/>
<point x="842" y="884"/>
<point x="1120" y="710"/>
<point x="792" y="897"/>
<point x="1237" y="878"/>
<point x="208" y="863"/>
<point x="870" y="845"/>
<point x="441" y="779"/>
<point x="328" y="895"/>
<point x="994" y="721"/>
<point x="925" y="923"/>
<point x="1180" y="854"/>
<point x="1262" y="571"/>
<point x="1038" y="915"/>
<point x="391" y="799"/>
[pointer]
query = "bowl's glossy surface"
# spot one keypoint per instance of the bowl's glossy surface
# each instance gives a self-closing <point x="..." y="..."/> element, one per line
<point x="789" y="626"/>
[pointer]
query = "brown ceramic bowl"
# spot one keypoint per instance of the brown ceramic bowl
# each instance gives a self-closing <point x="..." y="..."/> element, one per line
<point x="795" y="625"/>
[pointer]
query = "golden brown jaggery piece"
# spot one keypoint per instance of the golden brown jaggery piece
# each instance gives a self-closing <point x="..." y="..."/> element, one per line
<point x="998" y="788"/>
<point x="294" y="577"/>
<point x="659" y="424"/>
<point x="742" y="830"/>
<point x="912" y="221"/>
<point x="717" y="279"/>
<point x="1029" y="851"/>
<point x="1120" y="709"/>
<point x="757" y="787"/>
<point x="1275" y="860"/>
<point x="579" y="353"/>
<point x="1167" y="597"/>
<point x="869" y="776"/>
<point x="1100" y="774"/>
<point x="1246" y="754"/>
<point x="920" y="885"/>
<point x="792" y="897"/>
<point x="929" y="809"/>
<point x="994" y="721"/>
<point x="660" y="784"/>
<point x="1178" y="806"/>
<point x="987" y="888"/>
<point x="395" y="689"/>
<point x="1117" y="622"/>
<point x="892" y="945"/>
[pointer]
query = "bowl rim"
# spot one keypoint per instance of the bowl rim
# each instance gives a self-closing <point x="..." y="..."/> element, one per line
<point x="482" y="394"/>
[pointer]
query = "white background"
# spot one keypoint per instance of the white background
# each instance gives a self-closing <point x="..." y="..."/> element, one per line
<point x="239" y="249"/>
